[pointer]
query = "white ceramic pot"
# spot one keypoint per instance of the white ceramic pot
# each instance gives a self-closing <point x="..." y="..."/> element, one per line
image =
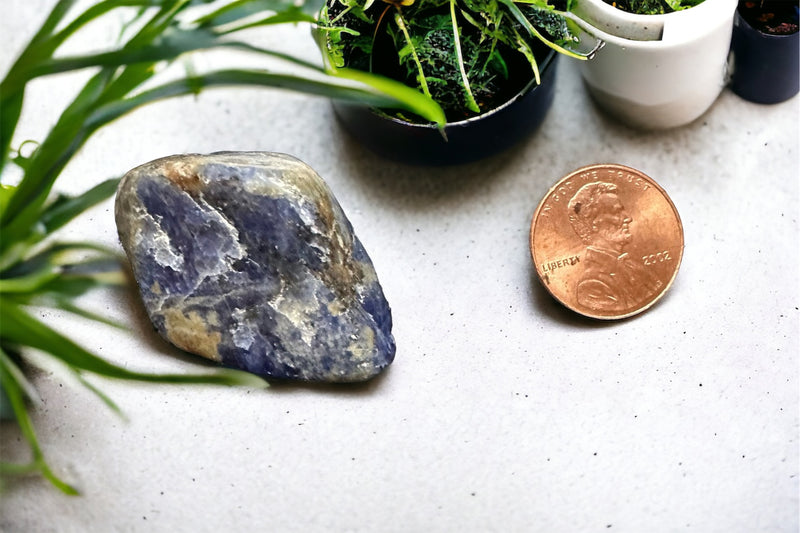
<point x="658" y="71"/>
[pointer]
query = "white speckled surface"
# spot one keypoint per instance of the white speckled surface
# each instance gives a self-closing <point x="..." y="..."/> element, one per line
<point x="502" y="411"/>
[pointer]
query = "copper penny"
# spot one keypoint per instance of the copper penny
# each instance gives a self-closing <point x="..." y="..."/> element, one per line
<point x="607" y="241"/>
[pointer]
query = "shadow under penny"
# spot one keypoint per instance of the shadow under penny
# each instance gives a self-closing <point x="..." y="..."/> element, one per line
<point x="545" y="304"/>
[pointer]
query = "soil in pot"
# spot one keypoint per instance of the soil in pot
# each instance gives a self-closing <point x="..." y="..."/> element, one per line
<point x="770" y="16"/>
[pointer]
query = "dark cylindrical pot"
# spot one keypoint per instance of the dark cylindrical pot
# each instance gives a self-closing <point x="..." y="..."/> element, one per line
<point x="765" y="65"/>
<point x="467" y="140"/>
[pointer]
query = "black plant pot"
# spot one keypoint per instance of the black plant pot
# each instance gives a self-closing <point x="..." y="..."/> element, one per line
<point x="467" y="140"/>
<point x="765" y="65"/>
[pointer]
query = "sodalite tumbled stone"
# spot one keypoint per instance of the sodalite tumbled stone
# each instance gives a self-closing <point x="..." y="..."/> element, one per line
<point x="246" y="258"/>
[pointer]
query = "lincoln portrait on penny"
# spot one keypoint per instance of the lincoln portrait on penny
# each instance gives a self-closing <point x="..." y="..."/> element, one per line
<point x="612" y="280"/>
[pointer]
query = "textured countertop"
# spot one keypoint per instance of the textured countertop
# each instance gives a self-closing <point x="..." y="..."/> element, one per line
<point x="503" y="411"/>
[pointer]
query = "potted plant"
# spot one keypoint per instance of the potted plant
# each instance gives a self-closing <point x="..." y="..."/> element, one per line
<point x="490" y="65"/>
<point x="662" y="66"/>
<point x="766" y="51"/>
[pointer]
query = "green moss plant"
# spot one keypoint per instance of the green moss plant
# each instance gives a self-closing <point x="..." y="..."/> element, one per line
<point x="467" y="55"/>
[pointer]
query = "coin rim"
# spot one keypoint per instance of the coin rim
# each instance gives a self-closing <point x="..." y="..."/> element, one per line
<point x="615" y="166"/>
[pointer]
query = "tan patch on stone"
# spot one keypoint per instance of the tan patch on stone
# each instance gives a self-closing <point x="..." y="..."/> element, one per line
<point x="183" y="175"/>
<point x="190" y="333"/>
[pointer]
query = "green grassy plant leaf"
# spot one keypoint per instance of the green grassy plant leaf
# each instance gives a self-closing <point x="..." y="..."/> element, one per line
<point x="28" y="283"/>
<point x="242" y="9"/>
<point x="388" y="93"/>
<point x="14" y="394"/>
<point x="11" y="107"/>
<point x="57" y="256"/>
<point x="21" y="328"/>
<point x="471" y="104"/>
<point x="532" y="30"/>
<point x="402" y="95"/>
<point x="25" y="386"/>
<point x="278" y="18"/>
<point x="6" y="192"/>
<point x="66" y="304"/>
<point x="100" y="394"/>
<point x="66" y="208"/>
<point x="48" y="160"/>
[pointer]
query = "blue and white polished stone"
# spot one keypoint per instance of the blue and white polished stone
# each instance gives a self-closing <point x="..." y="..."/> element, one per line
<point x="246" y="258"/>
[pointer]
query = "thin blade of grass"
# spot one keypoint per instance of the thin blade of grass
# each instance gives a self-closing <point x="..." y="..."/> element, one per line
<point x="388" y="93"/>
<point x="43" y="49"/>
<point x="12" y="89"/>
<point x="247" y="47"/>
<point x="40" y="49"/>
<point x="14" y="469"/>
<point x="30" y="283"/>
<point x="60" y="255"/>
<point x="93" y="12"/>
<point x="531" y="29"/>
<point x="53" y="19"/>
<point x="243" y="9"/>
<point x="168" y="46"/>
<point x="25" y="205"/>
<point x="10" y="109"/>
<point x="66" y="305"/>
<point x="72" y="279"/>
<point x="404" y="96"/>
<point x="101" y="395"/>
<point x="6" y="191"/>
<point x="472" y="105"/>
<point x="21" y="328"/>
<point x="525" y="49"/>
<point x="25" y="386"/>
<point x="58" y="294"/>
<point x="33" y="51"/>
<point x="65" y="208"/>
<point x="158" y="23"/>
<point x="14" y="394"/>
<point x="401" y="23"/>
<point x="13" y="255"/>
<point x="293" y="17"/>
